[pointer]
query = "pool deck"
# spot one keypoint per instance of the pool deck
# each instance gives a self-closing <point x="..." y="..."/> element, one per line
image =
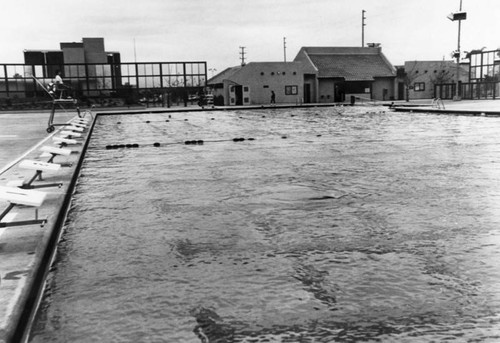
<point x="488" y="108"/>
<point x="27" y="251"/>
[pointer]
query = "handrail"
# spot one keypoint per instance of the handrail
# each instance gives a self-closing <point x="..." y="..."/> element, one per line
<point x="438" y="103"/>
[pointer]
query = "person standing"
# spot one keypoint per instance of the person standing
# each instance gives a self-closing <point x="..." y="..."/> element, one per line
<point x="273" y="98"/>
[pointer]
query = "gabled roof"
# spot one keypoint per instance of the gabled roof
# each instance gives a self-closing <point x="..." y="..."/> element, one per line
<point x="224" y="75"/>
<point x="350" y="63"/>
<point x="238" y="72"/>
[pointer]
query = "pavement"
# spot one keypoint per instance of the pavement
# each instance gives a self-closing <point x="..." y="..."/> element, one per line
<point x="27" y="251"/>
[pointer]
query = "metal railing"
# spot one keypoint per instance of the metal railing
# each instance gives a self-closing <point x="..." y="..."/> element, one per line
<point x="104" y="80"/>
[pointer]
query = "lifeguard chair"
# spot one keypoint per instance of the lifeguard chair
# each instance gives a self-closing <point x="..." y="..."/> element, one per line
<point x="61" y="96"/>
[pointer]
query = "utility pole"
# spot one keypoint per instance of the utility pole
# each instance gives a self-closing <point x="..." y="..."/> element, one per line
<point x="363" y="28"/>
<point x="284" y="48"/>
<point x="242" y="54"/>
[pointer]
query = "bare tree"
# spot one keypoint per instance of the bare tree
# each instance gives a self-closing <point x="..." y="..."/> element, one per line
<point x="408" y="77"/>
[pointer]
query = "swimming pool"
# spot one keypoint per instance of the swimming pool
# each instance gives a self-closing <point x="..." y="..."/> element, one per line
<point x="321" y="225"/>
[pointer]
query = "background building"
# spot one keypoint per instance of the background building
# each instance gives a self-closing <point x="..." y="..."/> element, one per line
<point x="484" y="75"/>
<point x="429" y="79"/>
<point x="342" y="72"/>
<point x="317" y="75"/>
<point x="96" y="75"/>
<point x="252" y="83"/>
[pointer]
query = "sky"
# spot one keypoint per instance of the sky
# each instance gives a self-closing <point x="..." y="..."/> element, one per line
<point x="214" y="30"/>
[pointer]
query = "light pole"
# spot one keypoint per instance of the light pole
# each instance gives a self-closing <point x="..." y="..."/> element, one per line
<point x="453" y="17"/>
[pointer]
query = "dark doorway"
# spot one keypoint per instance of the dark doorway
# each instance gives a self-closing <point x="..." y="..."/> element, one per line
<point x="238" y="92"/>
<point x="401" y="91"/>
<point x="339" y="95"/>
<point x="307" y="93"/>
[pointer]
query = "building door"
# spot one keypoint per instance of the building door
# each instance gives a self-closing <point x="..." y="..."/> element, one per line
<point x="238" y="92"/>
<point x="307" y="93"/>
<point x="339" y="92"/>
<point x="401" y="91"/>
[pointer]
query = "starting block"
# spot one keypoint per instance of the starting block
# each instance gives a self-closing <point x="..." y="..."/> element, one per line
<point x="39" y="166"/>
<point x="77" y="124"/>
<point x="22" y="196"/>
<point x="74" y="128"/>
<point x="17" y="196"/>
<point x="70" y="133"/>
<point x="81" y="120"/>
<point x="65" y="140"/>
<point x="56" y="151"/>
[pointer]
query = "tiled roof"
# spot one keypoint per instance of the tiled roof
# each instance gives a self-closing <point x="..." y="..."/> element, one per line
<point x="352" y="67"/>
<point x="352" y="64"/>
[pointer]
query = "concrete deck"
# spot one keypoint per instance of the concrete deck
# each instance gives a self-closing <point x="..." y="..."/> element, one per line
<point x="26" y="252"/>
<point x="488" y="108"/>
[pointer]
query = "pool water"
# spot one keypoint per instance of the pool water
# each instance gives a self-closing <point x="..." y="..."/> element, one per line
<point x="330" y="225"/>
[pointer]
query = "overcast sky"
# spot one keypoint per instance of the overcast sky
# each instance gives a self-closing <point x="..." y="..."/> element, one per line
<point x="213" y="30"/>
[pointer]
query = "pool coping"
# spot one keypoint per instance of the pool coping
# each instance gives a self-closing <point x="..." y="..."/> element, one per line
<point x="433" y="110"/>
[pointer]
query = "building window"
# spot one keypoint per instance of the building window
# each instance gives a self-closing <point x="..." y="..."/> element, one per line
<point x="419" y="87"/>
<point x="291" y="90"/>
<point x="261" y="73"/>
<point x="245" y="89"/>
<point x="266" y="86"/>
<point x="272" y="73"/>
